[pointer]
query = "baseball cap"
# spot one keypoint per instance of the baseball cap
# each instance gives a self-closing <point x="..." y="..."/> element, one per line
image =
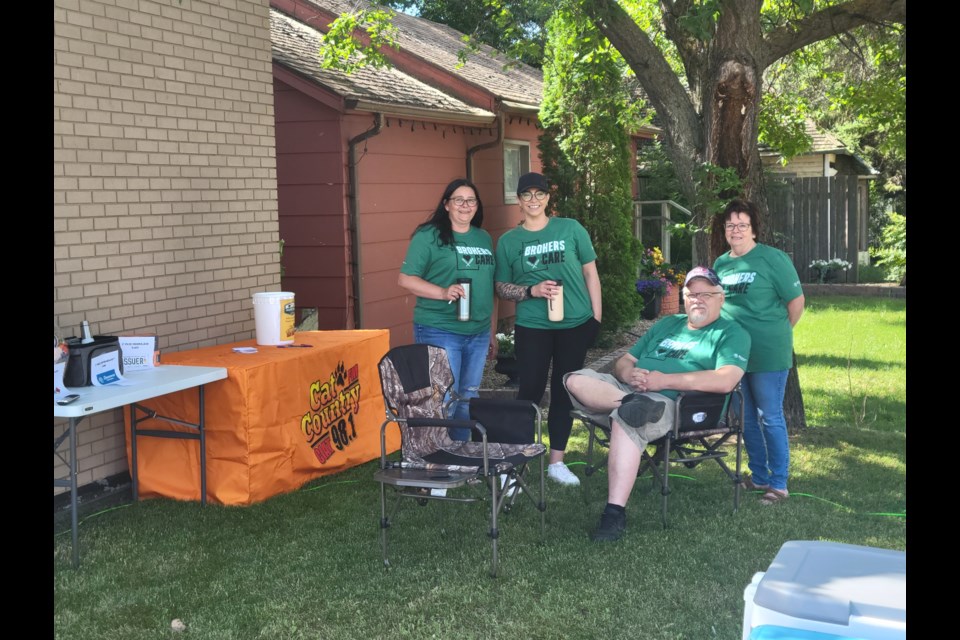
<point x="706" y="273"/>
<point x="528" y="180"/>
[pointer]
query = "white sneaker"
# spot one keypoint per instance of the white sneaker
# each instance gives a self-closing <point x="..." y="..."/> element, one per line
<point x="504" y="479"/>
<point x="558" y="472"/>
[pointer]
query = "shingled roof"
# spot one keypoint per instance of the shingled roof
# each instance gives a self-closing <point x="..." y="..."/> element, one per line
<point x="439" y="44"/>
<point x="295" y="47"/>
<point x="825" y="142"/>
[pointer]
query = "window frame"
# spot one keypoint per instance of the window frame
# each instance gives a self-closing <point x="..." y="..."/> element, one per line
<point x="523" y="147"/>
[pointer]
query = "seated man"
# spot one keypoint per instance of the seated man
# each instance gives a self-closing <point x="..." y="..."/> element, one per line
<point x="699" y="351"/>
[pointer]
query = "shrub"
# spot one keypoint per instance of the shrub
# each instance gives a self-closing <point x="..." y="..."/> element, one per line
<point x="871" y="273"/>
<point x="892" y="253"/>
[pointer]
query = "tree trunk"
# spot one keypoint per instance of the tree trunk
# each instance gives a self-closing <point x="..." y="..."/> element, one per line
<point x="793" y="409"/>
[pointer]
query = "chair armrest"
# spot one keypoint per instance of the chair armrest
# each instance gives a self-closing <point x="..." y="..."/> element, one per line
<point x="699" y="411"/>
<point x="449" y="423"/>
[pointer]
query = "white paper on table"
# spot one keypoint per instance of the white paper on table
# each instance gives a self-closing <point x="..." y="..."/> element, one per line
<point x="105" y="369"/>
<point x="137" y="352"/>
<point x="59" y="389"/>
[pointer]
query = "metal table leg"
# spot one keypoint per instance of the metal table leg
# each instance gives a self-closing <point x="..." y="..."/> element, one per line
<point x="73" y="492"/>
<point x="71" y="482"/>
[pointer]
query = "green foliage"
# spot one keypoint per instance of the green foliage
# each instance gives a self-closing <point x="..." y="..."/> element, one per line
<point x="342" y="49"/>
<point x="515" y="27"/>
<point x="585" y="152"/>
<point x="782" y="124"/>
<point x="871" y="274"/>
<point x="506" y="345"/>
<point x="659" y="182"/>
<point x="854" y="86"/>
<point x="700" y="19"/>
<point x="892" y="252"/>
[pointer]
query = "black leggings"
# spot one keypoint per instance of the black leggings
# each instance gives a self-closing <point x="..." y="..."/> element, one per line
<point x="567" y="348"/>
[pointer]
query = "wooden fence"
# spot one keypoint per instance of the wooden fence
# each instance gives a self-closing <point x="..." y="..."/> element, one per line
<point x="817" y="219"/>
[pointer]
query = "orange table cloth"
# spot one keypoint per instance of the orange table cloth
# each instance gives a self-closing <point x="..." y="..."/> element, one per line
<point x="282" y="417"/>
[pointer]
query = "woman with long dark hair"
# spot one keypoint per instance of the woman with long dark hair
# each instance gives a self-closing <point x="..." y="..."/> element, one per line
<point x="448" y="247"/>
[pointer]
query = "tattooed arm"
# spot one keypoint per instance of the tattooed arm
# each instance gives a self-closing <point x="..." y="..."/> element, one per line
<point x="510" y="291"/>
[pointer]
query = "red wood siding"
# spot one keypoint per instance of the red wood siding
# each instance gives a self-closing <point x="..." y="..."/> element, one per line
<point x="311" y="192"/>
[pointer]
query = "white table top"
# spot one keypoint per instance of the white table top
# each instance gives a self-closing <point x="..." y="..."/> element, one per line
<point x="149" y="383"/>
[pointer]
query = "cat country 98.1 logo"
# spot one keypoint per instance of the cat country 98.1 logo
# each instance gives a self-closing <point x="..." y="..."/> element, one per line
<point x="330" y="426"/>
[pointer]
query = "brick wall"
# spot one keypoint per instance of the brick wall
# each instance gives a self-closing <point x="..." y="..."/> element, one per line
<point x="165" y="205"/>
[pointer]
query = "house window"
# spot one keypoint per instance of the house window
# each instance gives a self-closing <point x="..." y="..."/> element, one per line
<point x="516" y="162"/>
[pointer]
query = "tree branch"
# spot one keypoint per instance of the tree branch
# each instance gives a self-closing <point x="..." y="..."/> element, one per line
<point x="689" y="48"/>
<point x="827" y="23"/>
<point x="666" y="93"/>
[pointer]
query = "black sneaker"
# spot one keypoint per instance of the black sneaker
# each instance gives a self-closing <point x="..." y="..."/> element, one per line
<point x="641" y="410"/>
<point x="612" y="527"/>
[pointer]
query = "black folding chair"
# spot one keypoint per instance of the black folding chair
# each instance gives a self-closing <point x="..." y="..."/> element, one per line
<point x="703" y="424"/>
<point x="415" y="380"/>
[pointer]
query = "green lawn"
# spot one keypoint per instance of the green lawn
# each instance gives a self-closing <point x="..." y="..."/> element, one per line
<point x="307" y="564"/>
<point x="852" y="362"/>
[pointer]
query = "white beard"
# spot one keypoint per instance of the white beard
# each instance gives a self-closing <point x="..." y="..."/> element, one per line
<point x="697" y="316"/>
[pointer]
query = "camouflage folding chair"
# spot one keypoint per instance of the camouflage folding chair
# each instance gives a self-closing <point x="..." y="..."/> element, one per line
<point x="703" y="424"/>
<point x="415" y="380"/>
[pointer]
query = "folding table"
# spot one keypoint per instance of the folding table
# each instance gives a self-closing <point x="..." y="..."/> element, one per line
<point x="147" y="384"/>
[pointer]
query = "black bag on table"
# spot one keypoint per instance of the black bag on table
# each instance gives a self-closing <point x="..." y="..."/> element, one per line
<point x="77" y="373"/>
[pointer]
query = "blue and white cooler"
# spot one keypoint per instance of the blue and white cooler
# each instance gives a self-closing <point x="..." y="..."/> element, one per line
<point x="817" y="590"/>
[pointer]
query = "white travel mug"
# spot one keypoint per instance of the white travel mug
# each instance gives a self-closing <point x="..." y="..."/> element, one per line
<point x="463" y="304"/>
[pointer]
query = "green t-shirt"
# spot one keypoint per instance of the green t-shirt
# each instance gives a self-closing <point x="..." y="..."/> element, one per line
<point x="759" y="285"/>
<point x="556" y="252"/>
<point x="470" y="256"/>
<point x="670" y="346"/>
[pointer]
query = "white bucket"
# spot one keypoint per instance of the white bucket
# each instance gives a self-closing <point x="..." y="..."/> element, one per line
<point x="274" y="314"/>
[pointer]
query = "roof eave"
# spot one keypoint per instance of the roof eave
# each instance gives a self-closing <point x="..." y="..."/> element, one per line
<point x="421" y="113"/>
<point x="509" y="106"/>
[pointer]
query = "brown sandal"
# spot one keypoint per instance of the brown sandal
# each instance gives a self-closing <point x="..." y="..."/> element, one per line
<point x="748" y="484"/>
<point x="773" y="496"/>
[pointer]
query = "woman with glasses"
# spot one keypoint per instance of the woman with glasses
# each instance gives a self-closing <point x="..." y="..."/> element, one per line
<point x="548" y="261"/>
<point x="763" y="294"/>
<point x="450" y="247"/>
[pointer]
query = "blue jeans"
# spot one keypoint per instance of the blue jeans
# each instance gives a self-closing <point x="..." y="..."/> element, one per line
<point x="764" y="427"/>
<point x="466" y="355"/>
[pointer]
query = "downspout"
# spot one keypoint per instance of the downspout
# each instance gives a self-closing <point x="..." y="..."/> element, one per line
<point x="355" y="263"/>
<point x="485" y="145"/>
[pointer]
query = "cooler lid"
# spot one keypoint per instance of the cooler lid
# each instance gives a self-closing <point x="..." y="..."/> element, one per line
<point x="829" y="582"/>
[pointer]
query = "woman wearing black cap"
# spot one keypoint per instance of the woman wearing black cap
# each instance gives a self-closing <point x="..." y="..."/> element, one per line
<point x="549" y="262"/>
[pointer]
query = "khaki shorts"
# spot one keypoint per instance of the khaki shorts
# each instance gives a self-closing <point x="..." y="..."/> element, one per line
<point x="639" y="436"/>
